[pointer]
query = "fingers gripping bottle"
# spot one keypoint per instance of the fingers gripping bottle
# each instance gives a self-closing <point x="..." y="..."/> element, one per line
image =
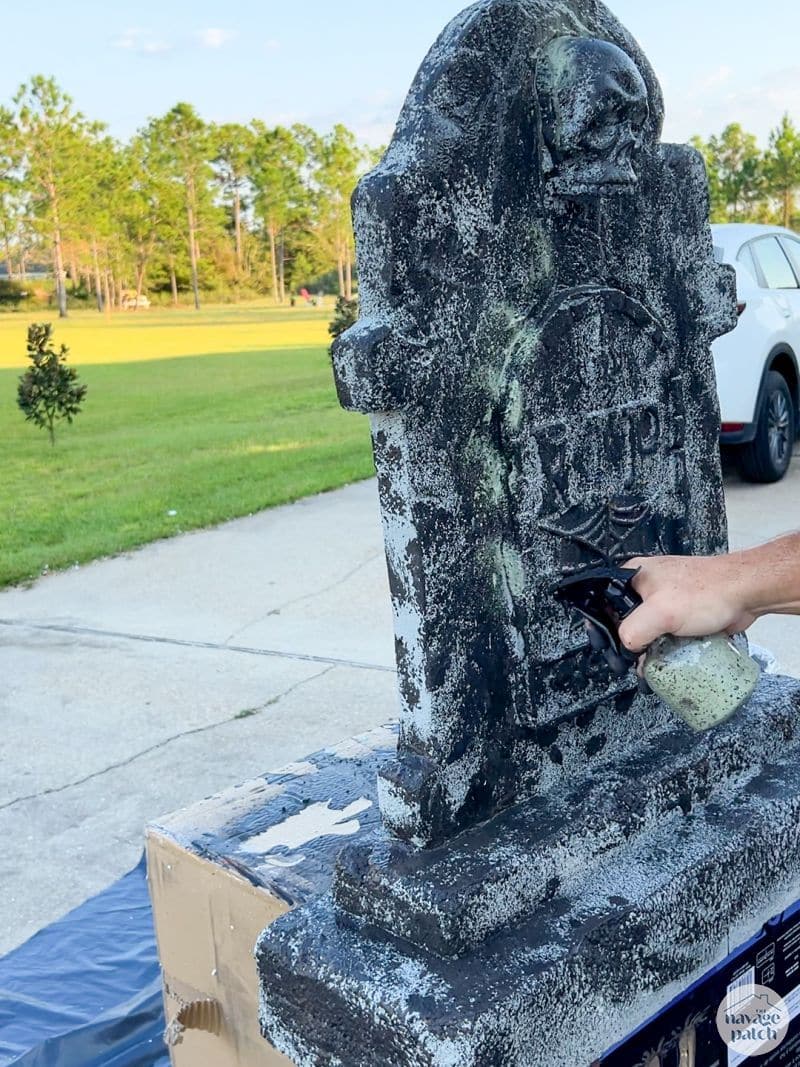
<point x="704" y="680"/>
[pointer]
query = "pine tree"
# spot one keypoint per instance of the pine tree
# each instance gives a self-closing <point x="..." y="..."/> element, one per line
<point x="280" y="196"/>
<point x="52" y="140"/>
<point x="181" y="144"/>
<point x="233" y="146"/>
<point x="783" y="167"/>
<point x="737" y="164"/>
<point x="340" y="162"/>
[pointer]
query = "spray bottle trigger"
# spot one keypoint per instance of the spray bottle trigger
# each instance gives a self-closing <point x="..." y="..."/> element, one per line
<point x="604" y="596"/>
<point x="621" y="596"/>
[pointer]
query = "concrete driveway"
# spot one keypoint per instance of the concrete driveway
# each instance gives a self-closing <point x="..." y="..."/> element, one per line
<point x="137" y="685"/>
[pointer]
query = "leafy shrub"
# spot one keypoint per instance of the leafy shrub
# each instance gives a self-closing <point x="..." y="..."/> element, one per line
<point x="344" y="316"/>
<point x="12" y="294"/>
<point x="48" y="390"/>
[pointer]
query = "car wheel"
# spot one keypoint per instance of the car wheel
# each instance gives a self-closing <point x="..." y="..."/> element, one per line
<point x="767" y="457"/>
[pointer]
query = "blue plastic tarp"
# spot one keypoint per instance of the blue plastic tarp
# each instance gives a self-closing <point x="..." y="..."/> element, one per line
<point x="86" y="991"/>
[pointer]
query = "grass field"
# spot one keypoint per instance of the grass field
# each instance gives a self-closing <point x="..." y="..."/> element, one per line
<point x="207" y="415"/>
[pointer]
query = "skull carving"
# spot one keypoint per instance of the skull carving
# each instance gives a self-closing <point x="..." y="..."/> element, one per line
<point x="594" y="107"/>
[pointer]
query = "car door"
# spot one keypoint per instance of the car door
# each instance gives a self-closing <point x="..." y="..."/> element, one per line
<point x="778" y="275"/>
<point x="791" y="246"/>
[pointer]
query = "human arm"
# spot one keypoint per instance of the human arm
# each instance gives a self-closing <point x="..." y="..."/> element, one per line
<point x="694" y="596"/>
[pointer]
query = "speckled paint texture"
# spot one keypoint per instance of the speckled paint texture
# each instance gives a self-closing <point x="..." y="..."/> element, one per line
<point x="558" y="854"/>
<point x="538" y="299"/>
<point x="704" y="682"/>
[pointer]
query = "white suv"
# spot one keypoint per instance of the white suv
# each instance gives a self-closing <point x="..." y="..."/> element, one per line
<point x="757" y="363"/>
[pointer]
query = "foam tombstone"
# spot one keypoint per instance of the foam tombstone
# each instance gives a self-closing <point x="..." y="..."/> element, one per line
<point x="538" y="298"/>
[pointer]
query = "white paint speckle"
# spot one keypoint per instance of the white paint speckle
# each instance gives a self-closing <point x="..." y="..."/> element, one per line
<point x="315" y="821"/>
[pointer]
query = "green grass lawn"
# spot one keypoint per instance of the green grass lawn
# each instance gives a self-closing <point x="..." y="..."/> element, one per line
<point x="207" y="436"/>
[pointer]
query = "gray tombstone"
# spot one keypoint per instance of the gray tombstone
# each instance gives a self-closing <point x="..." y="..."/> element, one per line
<point x="538" y="298"/>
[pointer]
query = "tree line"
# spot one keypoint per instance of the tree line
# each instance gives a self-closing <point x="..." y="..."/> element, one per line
<point x="747" y="184"/>
<point x="184" y="205"/>
<point x="240" y="210"/>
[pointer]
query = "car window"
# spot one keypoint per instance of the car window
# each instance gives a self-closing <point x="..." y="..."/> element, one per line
<point x="792" y="249"/>
<point x="775" y="267"/>
<point x="745" y="257"/>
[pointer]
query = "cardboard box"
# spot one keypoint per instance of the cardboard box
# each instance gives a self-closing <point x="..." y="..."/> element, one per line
<point x="685" y="1033"/>
<point x="222" y="870"/>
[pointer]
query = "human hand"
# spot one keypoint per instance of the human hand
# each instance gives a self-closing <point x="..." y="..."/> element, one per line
<point x="688" y="596"/>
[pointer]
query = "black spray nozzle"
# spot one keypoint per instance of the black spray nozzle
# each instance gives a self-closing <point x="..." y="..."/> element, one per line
<point x="604" y="596"/>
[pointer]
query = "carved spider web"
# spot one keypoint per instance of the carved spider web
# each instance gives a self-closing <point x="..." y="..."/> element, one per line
<point x="606" y="531"/>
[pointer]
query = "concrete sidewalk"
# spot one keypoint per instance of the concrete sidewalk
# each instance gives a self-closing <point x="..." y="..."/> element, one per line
<point x="136" y="685"/>
<point x="140" y="684"/>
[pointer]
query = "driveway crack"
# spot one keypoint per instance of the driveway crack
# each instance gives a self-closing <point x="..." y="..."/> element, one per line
<point x="53" y="790"/>
<point x="305" y="596"/>
<point x="213" y="646"/>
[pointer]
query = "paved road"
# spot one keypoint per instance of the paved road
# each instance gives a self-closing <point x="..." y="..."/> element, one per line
<point x="140" y="684"/>
<point x="757" y="513"/>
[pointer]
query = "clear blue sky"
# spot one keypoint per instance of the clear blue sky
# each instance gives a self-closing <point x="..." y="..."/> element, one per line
<point x="321" y="61"/>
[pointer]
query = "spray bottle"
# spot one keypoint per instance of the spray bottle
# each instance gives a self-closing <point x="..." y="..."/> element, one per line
<point x="704" y="680"/>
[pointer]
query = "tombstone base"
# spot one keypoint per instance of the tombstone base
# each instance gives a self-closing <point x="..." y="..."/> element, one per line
<point x="652" y="905"/>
